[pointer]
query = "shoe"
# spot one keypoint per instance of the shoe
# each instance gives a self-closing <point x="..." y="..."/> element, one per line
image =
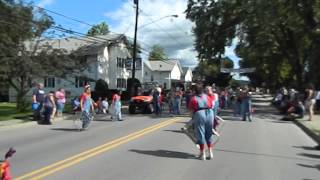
<point x="210" y="154"/>
<point x="202" y="156"/>
<point x="198" y="146"/>
<point x="215" y="133"/>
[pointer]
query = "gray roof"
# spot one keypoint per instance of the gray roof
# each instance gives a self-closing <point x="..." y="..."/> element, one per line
<point x="87" y="45"/>
<point x="163" y="65"/>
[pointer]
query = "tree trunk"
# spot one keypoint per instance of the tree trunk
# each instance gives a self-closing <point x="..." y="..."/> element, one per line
<point x="22" y="90"/>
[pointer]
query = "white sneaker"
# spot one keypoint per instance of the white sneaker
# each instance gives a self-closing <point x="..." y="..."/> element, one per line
<point x="202" y="156"/>
<point x="210" y="154"/>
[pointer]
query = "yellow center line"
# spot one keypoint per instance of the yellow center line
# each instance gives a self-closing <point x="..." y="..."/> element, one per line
<point x="50" y="169"/>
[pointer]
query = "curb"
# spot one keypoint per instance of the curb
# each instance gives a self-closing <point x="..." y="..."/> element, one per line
<point x="308" y="131"/>
<point x="29" y="123"/>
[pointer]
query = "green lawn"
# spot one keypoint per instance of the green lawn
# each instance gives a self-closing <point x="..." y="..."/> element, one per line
<point x="8" y="112"/>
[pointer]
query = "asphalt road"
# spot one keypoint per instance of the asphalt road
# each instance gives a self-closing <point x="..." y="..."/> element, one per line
<point x="145" y="147"/>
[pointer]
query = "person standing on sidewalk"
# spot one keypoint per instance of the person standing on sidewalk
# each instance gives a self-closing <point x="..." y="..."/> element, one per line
<point x="318" y="100"/>
<point x="37" y="99"/>
<point x="310" y="100"/>
<point x="201" y="107"/>
<point x="60" y="96"/>
<point x="87" y="108"/>
<point x="49" y="105"/>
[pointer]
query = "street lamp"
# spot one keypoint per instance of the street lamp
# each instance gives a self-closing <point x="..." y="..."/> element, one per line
<point x="153" y="21"/>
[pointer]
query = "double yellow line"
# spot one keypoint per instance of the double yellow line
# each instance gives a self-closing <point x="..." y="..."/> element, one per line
<point x="60" y="165"/>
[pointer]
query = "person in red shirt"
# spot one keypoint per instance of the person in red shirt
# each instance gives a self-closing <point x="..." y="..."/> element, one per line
<point x="5" y="166"/>
<point x="201" y="107"/>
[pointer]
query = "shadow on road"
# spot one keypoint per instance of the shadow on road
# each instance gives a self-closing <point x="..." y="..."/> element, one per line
<point x="165" y="153"/>
<point x="307" y="148"/>
<point x="310" y="166"/>
<point x="175" y="131"/>
<point x="314" y="156"/>
<point x="271" y="155"/>
<point x="66" y="129"/>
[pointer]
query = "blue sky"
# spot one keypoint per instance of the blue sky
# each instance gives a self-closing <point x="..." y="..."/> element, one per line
<point x="174" y="34"/>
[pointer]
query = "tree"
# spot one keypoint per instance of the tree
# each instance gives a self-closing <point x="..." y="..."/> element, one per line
<point x="278" y="37"/>
<point x="99" y="29"/>
<point x="209" y="72"/>
<point x="157" y="53"/>
<point x="101" y="89"/>
<point x="24" y="56"/>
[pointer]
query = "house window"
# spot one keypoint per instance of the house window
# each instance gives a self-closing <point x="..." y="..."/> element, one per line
<point x="121" y="62"/>
<point x="121" y="83"/>
<point x="49" y="82"/>
<point x="164" y="85"/>
<point x="151" y="77"/>
<point x="81" y="82"/>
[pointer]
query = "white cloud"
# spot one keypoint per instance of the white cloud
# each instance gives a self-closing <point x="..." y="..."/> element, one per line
<point x="174" y="34"/>
<point x="44" y="3"/>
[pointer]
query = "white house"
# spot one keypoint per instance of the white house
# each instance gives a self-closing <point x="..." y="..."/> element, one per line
<point x="166" y="73"/>
<point x="187" y="74"/>
<point x="109" y="61"/>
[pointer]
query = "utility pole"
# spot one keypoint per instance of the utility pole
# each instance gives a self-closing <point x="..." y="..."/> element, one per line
<point x="136" y="2"/>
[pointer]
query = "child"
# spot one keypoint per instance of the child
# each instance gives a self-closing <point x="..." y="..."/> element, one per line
<point x="105" y="106"/>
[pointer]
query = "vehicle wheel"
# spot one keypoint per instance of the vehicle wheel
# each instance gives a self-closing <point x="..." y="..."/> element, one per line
<point x="148" y="109"/>
<point x="132" y="109"/>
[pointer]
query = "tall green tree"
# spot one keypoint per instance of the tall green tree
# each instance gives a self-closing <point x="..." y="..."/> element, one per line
<point x="157" y="53"/>
<point x="278" y="37"/>
<point x="24" y="55"/>
<point x="209" y="72"/>
<point x="99" y="29"/>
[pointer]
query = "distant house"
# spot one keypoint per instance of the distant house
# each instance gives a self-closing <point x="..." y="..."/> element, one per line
<point x="108" y="61"/>
<point x="166" y="73"/>
<point x="187" y="74"/>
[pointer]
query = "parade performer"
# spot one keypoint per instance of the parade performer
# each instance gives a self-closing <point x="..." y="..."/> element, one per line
<point x="116" y="106"/>
<point x="5" y="166"/>
<point x="201" y="107"/>
<point x="86" y="105"/>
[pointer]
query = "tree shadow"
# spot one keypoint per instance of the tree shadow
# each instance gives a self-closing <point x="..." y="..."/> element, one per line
<point x="306" y="147"/>
<point x="66" y="129"/>
<point x="313" y="156"/>
<point x="310" y="166"/>
<point x="165" y="153"/>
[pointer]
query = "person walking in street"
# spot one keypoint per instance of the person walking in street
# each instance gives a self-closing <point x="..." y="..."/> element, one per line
<point x="116" y="106"/>
<point x="177" y="101"/>
<point x="87" y="108"/>
<point x="5" y="172"/>
<point x="37" y="99"/>
<point x="201" y="107"/>
<point x="60" y="96"/>
<point x="49" y="105"/>
<point x="246" y="105"/>
<point x="156" y="101"/>
<point x="310" y="100"/>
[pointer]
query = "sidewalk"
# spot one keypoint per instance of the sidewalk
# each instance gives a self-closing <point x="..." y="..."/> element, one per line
<point x="312" y="128"/>
<point x="14" y="123"/>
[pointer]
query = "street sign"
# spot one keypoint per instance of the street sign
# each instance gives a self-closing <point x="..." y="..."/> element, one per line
<point x="240" y="70"/>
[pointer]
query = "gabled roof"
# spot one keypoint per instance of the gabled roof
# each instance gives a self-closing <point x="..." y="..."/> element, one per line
<point x="87" y="45"/>
<point x="162" y="65"/>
